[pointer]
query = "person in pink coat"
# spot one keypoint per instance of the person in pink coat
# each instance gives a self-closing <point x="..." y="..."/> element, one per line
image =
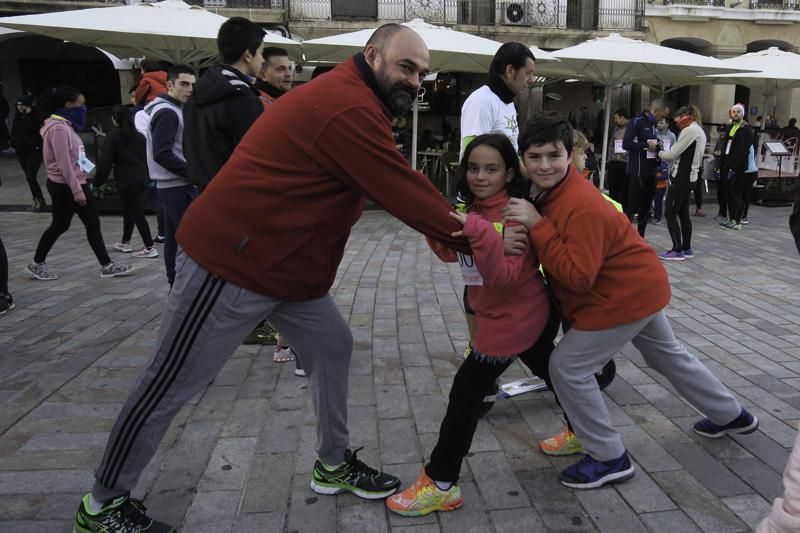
<point x="67" y="168"/>
<point x="511" y="308"/>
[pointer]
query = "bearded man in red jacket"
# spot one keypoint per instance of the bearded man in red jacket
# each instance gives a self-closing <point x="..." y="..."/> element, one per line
<point x="265" y="240"/>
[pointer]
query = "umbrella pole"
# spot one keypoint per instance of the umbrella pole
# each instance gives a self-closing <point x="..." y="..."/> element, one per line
<point x="414" y="135"/>
<point x="605" y="137"/>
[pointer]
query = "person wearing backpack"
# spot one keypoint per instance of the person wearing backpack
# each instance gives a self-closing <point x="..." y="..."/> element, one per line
<point x="124" y="149"/>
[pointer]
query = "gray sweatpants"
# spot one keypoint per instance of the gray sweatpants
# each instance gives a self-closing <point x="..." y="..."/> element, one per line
<point x="204" y="321"/>
<point x="582" y="353"/>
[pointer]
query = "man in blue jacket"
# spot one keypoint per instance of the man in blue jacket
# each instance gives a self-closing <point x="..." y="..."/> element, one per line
<point x="640" y="142"/>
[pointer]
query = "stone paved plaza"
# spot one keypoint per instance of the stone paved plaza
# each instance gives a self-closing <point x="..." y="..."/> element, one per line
<point x="239" y="456"/>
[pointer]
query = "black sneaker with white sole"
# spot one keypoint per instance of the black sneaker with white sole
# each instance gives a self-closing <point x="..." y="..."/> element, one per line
<point x="120" y="515"/>
<point x="744" y="424"/>
<point x="353" y="476"/>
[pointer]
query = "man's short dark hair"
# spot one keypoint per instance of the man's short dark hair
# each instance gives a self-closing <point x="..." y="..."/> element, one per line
<point x="150" y="65"/>
<point x="237" y="35"/>
<point x="174" y="72"/>
<point x="622" y="112"/>
<point x="792" y="122"/>
<point x="514" y="54"/>
<point x="273" y="51"/>
<point x="385" y="33"/>
<point x="546" y="127"/>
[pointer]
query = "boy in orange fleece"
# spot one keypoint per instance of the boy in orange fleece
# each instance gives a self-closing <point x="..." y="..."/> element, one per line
<point x="613" y="289"/>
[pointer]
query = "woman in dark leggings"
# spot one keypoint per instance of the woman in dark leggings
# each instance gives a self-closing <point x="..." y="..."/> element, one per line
<point x="6" y="301"/>
<point x="67" y="167"/>
<point x="687" y="154"/>
<point x="124" y="150"/>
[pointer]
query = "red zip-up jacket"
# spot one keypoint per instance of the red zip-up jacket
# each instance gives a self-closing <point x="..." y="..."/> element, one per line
<point x="511" y="307"/>
<point x="276" y="217"/>
<point x="601" y="270"/>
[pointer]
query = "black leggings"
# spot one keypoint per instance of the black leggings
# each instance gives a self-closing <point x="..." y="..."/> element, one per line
<point x="64" y="207"/>
<point x="3" y="270"/>
<point x="463" y="412"/>
<point x="698" y="194"/>
<point x="477" y="375"/>
<point x="30" y="163"/>
<point x="133" y="213"/>
<point x="747" y="191"/>
<point x="676" y="212"/>
<point x="722" y="198"/>
<point x="735" y="200"/>
<point x="647" y="191"/>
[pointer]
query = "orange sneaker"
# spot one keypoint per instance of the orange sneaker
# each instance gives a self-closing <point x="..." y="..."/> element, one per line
<point x="565" y="443"/>
<point x="424" y="497"/>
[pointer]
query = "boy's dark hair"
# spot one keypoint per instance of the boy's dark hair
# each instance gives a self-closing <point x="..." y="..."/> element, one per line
<point x="150" y="65"/>
<point x="273" y="51"/>
<point x="514" y="54"/>
<point x="518" y="187"/>
<point x="175" y="71"/>
<point x="237" y="35"/>
<point x="53" y="99"/>
<point x="622" y="112"/>
<point x="546" y="127"/>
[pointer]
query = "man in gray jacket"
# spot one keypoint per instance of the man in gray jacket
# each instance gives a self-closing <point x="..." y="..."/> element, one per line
<point x="165" y="160"/>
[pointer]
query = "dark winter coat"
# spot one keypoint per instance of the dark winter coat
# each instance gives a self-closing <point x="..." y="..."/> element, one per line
<point x="128" y="159"/>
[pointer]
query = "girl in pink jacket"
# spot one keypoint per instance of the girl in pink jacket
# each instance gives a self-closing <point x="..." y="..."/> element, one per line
<point x="509" y="298"/>
<point x="67" y="168"/>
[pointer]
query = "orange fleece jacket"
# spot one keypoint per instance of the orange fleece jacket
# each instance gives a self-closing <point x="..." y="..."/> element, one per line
<point x="603" y="273"/>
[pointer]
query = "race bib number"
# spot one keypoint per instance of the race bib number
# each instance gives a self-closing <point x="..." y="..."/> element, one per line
<point x="83" y="161"/>
<point x="469" y="271"/>
<point x="618" y="146"/>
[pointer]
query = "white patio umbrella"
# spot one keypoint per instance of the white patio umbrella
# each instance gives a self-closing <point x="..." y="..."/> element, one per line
<point x="450" y="51"/>
<point x="171" y="30"/>
<point x="614" y="60"/>
<point x="779" y="70"/>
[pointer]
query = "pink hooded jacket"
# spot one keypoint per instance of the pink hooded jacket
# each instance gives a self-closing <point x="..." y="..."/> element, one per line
<point x="511" y="307"/>
<point x="61" y="149"/>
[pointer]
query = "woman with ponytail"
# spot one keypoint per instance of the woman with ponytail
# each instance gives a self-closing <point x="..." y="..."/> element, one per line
<point x="685" y="155"/>
<point x="64" y="110"/>
<point x="124" y="150"/>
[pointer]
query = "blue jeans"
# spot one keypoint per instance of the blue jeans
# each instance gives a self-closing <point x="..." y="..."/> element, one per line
<point x="175" y="201"/>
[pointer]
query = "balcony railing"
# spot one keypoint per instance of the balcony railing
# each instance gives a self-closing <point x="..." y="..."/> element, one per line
<point x="782" y="5"/>
<point x="711" y="3"/>
<point x="563" y="14"/>
<point x="251" y="4"/>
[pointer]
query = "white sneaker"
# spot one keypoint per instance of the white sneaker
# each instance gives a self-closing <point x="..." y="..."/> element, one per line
<point x="146" y="252"/>
<point x="123" y="247"/>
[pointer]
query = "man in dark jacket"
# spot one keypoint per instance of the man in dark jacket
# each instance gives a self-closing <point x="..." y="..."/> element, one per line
<point x="275" y="77"/>
<point x="266" y="239"/>
<point x="27" y="143"/>
<point x="736" y="144"/>
<point x="640" y="142"/>
<point x="224" y="104"/>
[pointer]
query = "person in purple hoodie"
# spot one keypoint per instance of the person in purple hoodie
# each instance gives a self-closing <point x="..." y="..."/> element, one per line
<point x="67" y="168"/>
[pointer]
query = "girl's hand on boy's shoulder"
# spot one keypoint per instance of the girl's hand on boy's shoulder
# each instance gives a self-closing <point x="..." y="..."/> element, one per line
<point x="521" y="211"/>
<point x="461" y="218"/>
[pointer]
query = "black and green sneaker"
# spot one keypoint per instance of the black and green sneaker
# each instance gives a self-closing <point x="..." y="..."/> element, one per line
<point x="355" y="476"/>
<point x="263" y="334"/>
<point x="120" y="515"/>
